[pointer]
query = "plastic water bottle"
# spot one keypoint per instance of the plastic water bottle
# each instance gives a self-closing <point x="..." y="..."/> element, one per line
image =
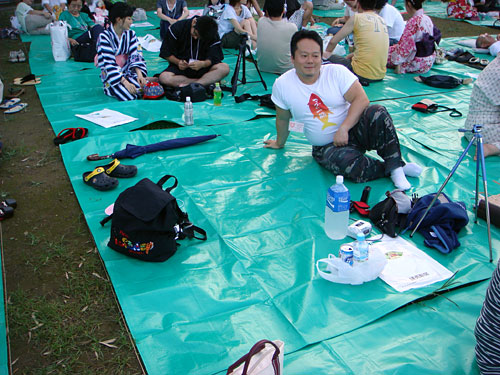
<point x="360" y="253"/>
<point x="337" y="210"/>
<point x="188" y="112"/>
<point x="217" y="95"/>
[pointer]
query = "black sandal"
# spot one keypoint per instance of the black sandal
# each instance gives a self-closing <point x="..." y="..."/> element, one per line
<point x="9" y="202"/>
<point x="6" y="212"/>
<point x="99" y="180"/>
<point x="116" y="169"/>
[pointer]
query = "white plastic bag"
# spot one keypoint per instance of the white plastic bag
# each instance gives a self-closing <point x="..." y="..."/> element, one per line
<point x="139" y="15"/>
<point x="338" y="271"/>
<point x="59" y="40"/>
<point x="264" y="358"/>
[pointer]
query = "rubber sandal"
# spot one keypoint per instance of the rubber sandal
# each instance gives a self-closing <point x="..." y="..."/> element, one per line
<point x="6" y="212"/>
<point x="484" y="62"/>
<point x="99" y="180"/>
<point x="17" y="108"/>
<point x="9" y="202"/>
<point x="9" y="103"/>
<point x="474" y="60"/>
<point x="70" y="134"/>
<point x="116" y="169"/>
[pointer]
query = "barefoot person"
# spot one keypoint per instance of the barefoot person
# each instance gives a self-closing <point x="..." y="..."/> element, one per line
<point x="484" y="107"/>
<point x="193" y="49"/>
<point x="333" y="109"/>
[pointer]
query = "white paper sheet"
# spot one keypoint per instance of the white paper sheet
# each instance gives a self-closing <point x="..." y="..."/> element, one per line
<point x="107" y="118"/>
<point x="142" y="24"/>
<point x="408" y="267"/>
<point x="150" y="43"/>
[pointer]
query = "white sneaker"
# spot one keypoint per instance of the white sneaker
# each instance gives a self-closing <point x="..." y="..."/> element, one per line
<point x="21" y="57"/>
<point x="13" y="56"/>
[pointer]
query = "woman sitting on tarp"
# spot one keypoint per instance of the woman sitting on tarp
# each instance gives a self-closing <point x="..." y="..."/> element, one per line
<point x="123" y="69"/>
<point x="81" y="29"/>
<point x="235" y="21"/>
<point x="484" y="107"/>
<point x="415" y="52"/>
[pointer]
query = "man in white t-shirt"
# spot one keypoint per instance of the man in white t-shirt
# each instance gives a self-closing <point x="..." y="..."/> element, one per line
<point x="330" y="105"/>
<point x="273" y="39"/>
<point x="486" y="41"/>
<point x="32" y="21"/>
<point x="393" y="20"/>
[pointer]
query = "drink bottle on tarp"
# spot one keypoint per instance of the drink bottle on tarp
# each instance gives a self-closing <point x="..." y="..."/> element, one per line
<point x="337" y="210"/>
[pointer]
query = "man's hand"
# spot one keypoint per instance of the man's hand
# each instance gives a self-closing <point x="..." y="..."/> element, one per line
<point x="196" y="65"/>
<point x="272" y="143"/>
<point x="73" y="42"/>
<point x="183" y="64"/>
<point x="341" y="137"/>
<point x="47" y="15"/>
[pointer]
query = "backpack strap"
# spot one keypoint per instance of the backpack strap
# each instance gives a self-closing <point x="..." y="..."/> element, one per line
<point x="165" y="179"/>
<point x="105" y="220"/>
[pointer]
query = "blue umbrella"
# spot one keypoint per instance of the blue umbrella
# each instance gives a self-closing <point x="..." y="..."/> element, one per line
<point x="133" y="151"/>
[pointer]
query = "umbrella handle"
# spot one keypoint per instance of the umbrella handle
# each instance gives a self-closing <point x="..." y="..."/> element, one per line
<point x="95" y="157"/>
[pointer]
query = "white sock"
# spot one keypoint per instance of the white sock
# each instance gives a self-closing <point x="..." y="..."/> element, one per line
<point x="412" y="170"/>
<point x="399" y="179"/>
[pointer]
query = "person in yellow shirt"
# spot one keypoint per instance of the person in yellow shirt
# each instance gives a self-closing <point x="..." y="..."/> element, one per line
<point x="371" y="44"/>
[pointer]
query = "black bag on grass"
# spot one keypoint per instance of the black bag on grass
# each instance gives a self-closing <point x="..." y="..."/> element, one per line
<point x="147" y="222"/>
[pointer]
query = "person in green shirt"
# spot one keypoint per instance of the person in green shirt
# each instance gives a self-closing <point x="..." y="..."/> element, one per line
<point x="81" y="29"/>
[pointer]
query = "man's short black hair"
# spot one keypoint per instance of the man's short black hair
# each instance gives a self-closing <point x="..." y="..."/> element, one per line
<point x="274" y="8"/>
<point x="379" y="4"/>
<point x="207" y="28"/>
<point x="367" y="4"/>
<point x="305" y="34"/>
<point x="120" y="10"/>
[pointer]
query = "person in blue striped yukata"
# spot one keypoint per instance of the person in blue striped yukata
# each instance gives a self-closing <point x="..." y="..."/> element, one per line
<point x="123" y="69"/>
<point x="488" y="329"/>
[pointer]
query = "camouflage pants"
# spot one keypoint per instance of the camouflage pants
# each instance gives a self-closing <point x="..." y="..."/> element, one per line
<point x="374" y="131"/>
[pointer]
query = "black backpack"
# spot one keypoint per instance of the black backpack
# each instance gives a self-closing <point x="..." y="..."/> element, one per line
<point x="147" y="222"/>
<point x="391" y="213"/>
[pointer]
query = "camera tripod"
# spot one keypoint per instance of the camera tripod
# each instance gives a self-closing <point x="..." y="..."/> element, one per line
<point x="241" y="57"/>
<point x="477" y="138"/>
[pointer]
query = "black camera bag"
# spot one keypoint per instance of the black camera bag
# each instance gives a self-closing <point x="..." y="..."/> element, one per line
<point x="147" y="222"/>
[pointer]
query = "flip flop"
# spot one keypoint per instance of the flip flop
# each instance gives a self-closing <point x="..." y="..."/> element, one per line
<point x="484" y="62"/>
<point x="17" y="108"/>
<point x="116" y="169"/>
<point x="9" y="103"/>
<point x="27" y="80"/>
<point x="70" y="134"/>
<point x="99" y="180"/>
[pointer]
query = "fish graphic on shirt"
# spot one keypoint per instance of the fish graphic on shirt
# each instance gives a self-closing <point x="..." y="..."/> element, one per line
<point x="320" y="110"/>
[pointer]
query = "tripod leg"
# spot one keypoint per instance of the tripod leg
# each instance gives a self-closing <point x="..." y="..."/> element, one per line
<point x="480" y="160"/>
<point x="258" y="71"/>
<point x="443" y="185"/>
<point x="234" y="79"/>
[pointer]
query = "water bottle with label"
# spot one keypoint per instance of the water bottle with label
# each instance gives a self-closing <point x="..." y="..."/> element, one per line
<point x="188" y="112"/>
<point x="337" y="210"/>
<point x="360" y="253"/>
<point x="217" y="95"/>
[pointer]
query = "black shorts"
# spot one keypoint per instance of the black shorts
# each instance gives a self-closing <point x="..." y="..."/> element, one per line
<point x="190" y="73"/>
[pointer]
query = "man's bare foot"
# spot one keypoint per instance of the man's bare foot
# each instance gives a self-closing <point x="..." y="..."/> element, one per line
<point x="489" y="150"/>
